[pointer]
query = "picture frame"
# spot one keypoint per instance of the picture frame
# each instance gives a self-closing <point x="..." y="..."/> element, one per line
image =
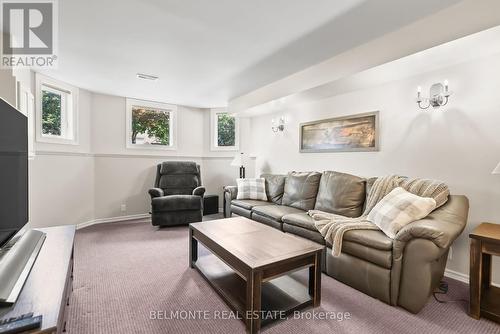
<point x="351" y="133"/>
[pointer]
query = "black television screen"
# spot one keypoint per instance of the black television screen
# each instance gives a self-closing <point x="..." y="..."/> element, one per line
<point x="13" y="171"/>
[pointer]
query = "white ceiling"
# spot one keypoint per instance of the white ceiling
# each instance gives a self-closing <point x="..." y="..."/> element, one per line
<point x="207" y="52"/>
<point x="479" y="45"/>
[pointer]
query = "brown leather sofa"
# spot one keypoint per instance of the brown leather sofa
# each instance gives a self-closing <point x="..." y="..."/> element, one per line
<point x="402" y="271"/>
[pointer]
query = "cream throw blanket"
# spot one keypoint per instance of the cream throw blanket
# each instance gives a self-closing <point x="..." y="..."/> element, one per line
<point x="332" y="227"/>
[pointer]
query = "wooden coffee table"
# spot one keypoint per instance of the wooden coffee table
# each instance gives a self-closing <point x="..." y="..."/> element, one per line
<point x="252" y="276"/>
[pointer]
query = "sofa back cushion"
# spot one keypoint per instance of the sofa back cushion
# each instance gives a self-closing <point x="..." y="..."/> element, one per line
<point x="178" y="177"/>
<point x="341" y="194"/>
<point x="301" y="189"/>
<point x="369" y="184"/>
<point x="275" y="187"/>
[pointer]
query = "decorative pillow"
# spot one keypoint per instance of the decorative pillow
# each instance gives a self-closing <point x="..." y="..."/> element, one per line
<point x="399" y="208"/>
<point x="251" y="189"/>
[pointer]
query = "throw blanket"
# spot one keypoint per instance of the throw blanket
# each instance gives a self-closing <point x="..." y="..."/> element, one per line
<point x="332" y="227"/>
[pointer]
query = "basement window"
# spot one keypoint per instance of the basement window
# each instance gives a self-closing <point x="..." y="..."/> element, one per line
<point x="56" y="105"/>
<point x="151" y="125"/>
<point x="224" y="131"/>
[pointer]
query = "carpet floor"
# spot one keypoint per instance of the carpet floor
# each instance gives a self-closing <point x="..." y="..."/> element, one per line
<point x="134" y="278"/>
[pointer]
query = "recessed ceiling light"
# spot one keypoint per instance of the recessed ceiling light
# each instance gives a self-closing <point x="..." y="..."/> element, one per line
<point x="147" y="76"/>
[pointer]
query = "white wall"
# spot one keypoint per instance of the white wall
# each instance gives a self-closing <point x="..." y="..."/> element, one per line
<point x="123" y="176"/>
<point x="73" y="184"/>
<point x="217" y="171"/>
<point x="458" y="143"/>
<point x="62" y="176"/>
<point x="62" y="190"/>
<point x="8" y="86"/>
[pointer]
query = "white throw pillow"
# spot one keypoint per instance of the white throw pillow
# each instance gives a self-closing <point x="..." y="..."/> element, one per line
<point x="399" y="208"/>
<point x="251" y="189"/>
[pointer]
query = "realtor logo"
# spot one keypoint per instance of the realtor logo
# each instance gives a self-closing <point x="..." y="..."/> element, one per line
<point x="29" y="33"/>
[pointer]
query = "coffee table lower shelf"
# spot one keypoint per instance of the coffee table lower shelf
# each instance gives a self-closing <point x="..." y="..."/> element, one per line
<point x="280" y="296"/>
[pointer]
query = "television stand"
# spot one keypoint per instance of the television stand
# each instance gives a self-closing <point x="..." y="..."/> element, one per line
<point x="16" y="260"/>
<point x="47" y="289"/>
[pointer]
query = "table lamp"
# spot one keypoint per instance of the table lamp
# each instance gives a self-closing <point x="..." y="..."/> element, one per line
<point x="496" y="170"/>
<point x="238" y="162"/>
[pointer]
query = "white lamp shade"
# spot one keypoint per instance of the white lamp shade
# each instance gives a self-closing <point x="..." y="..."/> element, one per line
<point x="238" y="160"/>
<point x="496" y="170"/>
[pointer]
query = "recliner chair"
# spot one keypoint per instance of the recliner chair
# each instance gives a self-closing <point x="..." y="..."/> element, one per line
<point x="177" y="198"/>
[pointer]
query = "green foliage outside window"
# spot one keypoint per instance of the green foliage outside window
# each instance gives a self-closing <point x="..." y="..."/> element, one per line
<point x="51" y="113"/>
<point x="153" y="123"/>
<point x="226" y="130"/>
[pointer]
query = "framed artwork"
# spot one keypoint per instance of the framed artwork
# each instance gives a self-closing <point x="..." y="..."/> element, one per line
<point x="353" y="133"/>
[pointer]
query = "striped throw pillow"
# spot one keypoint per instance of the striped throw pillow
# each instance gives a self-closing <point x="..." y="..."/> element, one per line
<point x="399" y="208"/>
<point x="251" y="189"/>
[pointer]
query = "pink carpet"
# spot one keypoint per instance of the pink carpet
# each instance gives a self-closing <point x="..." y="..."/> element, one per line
<point x="127" y="272"/>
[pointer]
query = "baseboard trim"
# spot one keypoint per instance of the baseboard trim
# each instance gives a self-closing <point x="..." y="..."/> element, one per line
<point x="143" y="217"/>
<point x="462" y="277"/>
<point x="456" y="275"/>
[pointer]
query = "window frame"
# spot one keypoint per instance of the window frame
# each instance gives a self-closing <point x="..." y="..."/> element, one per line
<point x="172" y="108"/>
<point x="69" y="111"/>
<point x="214" y="133"/>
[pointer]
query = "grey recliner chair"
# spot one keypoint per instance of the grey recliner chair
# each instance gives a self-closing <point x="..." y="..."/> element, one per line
<point x="177" y="198"/>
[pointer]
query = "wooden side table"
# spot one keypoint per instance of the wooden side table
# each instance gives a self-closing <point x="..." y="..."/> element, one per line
<point x="484" y="298"/>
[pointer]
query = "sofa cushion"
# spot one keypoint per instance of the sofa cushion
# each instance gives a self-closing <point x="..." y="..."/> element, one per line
<point x="301" y="189"/>
<point x="370" y="238"/>
<point x="340" y="193"/>
<point x="241" y="211"/>
<point x="304" y="233"/>
<point x="369" y="184"/>
<point x="301" y="220"/>
<point x="277" y="224"/>
<point x="248" y="203"/>
<point x="275" y="187"/>
<point x="176" y="203"/>
<point x="274" y="211"/>
<point x="379" y="257"/>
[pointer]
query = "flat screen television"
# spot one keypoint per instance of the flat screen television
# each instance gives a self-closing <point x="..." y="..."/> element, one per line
<point x="13" y="171"/>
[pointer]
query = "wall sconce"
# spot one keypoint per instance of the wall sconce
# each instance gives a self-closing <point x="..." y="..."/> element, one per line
<point x="438" y="96"/>
<point x="278" y="124"/>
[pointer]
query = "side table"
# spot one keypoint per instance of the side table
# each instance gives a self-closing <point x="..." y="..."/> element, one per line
<point x="484" y="298"/>
<point x="210" y="204"/>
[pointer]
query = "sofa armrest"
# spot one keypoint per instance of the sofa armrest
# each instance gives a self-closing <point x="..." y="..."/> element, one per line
<point x="156" y="192"/>
<point x="420" y="252"/>
<point x="199" y="191"/>
<point x="442" y="226"/>
<point x="230" y="193"/>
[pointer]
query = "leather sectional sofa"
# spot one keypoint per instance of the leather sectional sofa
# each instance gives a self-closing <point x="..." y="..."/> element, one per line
<point x="402" y="271"/>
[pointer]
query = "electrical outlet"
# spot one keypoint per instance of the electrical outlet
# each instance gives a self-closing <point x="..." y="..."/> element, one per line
<point x="450" y="254"/>
<point x="123" y="207"/>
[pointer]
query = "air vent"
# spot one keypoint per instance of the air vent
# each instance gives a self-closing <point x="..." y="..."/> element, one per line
<point x="147" y="76"/>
